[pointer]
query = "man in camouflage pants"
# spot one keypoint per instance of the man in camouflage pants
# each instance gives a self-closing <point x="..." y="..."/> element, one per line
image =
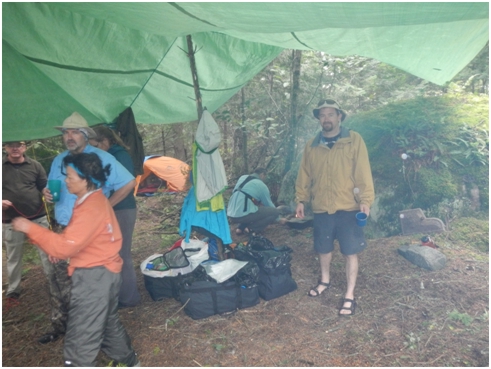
<point x="59" y="291"/>
<point x="76" y="135"/>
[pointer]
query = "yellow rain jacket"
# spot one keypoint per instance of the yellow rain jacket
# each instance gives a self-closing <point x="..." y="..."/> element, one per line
<point x="335" y="179"/>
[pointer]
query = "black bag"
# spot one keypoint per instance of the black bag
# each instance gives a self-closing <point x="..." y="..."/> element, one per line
<point x="275" y="277"/>
<point x="276" y="282"/>
<point x="160" y="288"/>
<point x="260" y="243"/>
<point x="206" y="298"/>
<point x="166" y="286"/>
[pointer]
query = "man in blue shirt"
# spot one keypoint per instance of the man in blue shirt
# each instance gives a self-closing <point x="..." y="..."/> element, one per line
<point x="76" y="135"/>
<point x="250" y="204"/>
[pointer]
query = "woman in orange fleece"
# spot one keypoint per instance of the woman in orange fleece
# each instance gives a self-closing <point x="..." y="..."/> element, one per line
<point x="92" y="241"/>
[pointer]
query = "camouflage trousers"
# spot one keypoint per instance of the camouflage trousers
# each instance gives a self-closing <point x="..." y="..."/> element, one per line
<point x="60" y="285"/>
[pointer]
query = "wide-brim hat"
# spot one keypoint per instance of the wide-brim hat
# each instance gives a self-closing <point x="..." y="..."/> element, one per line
<point x="329" y="103"/>
<point x="76" y="121"/>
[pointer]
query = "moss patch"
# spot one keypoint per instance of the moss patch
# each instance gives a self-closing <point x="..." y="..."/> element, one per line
<point x="471" y="232"/>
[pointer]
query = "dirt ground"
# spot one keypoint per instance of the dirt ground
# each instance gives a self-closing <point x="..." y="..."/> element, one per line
<point x="406" y="316"/>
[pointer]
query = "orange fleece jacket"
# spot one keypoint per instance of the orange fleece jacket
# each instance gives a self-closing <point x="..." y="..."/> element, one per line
<point x="92" y="238"/>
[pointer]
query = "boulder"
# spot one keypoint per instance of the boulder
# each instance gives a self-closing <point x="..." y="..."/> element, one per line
<point x="423" y="256"/>
<point x="414" y="221"/>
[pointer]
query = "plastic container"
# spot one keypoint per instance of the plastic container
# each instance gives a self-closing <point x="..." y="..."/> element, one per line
<point x="361" y="219"/>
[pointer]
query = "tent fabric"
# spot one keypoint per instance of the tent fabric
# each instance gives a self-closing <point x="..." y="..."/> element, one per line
<point x="171" y="170"/>
<point x="100" y="58"/>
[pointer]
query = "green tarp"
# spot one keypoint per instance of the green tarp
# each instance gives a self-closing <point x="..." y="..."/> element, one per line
<point x="99" y="58"/>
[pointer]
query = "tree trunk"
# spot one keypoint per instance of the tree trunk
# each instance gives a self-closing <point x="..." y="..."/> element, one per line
<point x="239" y="159"/>
<point x="162" y="133"/>
<point x="225" y="135"/>
<point x="292" y="139"/>
<point x="244" y="132"/>
<point x="179" y="150"/>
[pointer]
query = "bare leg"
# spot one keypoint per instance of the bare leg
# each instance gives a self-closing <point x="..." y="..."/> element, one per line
<point x="325" y="262"/>
<point x="351" y="275"/>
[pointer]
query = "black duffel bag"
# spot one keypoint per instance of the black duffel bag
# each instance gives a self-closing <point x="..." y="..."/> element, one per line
<point x="275" y="277"/>
<point x="203" y="299"/>
<point x="162" y="273"/>
<point x="276" y="282"/>
<point x="160" y="288"/>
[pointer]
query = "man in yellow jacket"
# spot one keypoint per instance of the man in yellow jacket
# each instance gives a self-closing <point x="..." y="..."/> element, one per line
<point x="335" y="177"/>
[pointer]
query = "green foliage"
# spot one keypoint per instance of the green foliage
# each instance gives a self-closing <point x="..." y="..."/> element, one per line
<point x="218" y="347"/>
<point x="471" y="147"/>
<point x="471" y="232"/>
<point x="168" y="139"/>
<point x="30" y="255"/>
<point x="474" y="78"/>
<point x="36" y="317"/>
<point x="45" y="151"/>
<point x="464" y="318"/>
<point x="433" y="186"/>
<point x="113" y="363"/>
<point x="443" y="153"/>
<point x="168" y="240"/>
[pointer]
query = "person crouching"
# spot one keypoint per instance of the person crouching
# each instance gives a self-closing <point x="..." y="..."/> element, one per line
<point x="92" y="241"/>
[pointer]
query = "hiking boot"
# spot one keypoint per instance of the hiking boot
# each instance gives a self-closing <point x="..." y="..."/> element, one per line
<point x="124" y="306"/>
<point x="13" y="295"/>
<point x="49" y="337"/>
<point x="133" y="362"/>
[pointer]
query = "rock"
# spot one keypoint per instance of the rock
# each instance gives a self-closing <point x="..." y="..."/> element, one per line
<point x="414" y="221"/>
<point x="423" y="256"/>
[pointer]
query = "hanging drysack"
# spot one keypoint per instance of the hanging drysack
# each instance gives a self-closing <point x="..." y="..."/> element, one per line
<point x="210" y="178"/>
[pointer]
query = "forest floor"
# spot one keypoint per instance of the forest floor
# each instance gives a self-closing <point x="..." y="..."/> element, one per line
<point x="406" y="316"/>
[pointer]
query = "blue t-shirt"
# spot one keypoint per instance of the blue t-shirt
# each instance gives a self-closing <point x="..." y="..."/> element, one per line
<point x="118" y="177"/>
<point x="255" y="188"/>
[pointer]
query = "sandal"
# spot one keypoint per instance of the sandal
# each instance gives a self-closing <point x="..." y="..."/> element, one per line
<point x="351" y="308"/>
<point x="240" y="232"/>
<point x="316" y="289"/>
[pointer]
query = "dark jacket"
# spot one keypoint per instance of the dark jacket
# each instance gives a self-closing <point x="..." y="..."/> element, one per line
<point x="124" y="158"/>
<point x="22" y="185"/>
<point x="126" y="126"/>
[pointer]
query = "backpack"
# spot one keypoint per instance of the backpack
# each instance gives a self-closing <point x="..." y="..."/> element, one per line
<point x="247" y="196"/>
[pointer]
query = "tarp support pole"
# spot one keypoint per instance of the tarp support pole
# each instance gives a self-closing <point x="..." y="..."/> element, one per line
<point x="194" y="74"/>
<point x="199" y="107"/>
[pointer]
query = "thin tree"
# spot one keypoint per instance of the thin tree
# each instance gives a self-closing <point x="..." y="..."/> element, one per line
<point x="292" y="139"/>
